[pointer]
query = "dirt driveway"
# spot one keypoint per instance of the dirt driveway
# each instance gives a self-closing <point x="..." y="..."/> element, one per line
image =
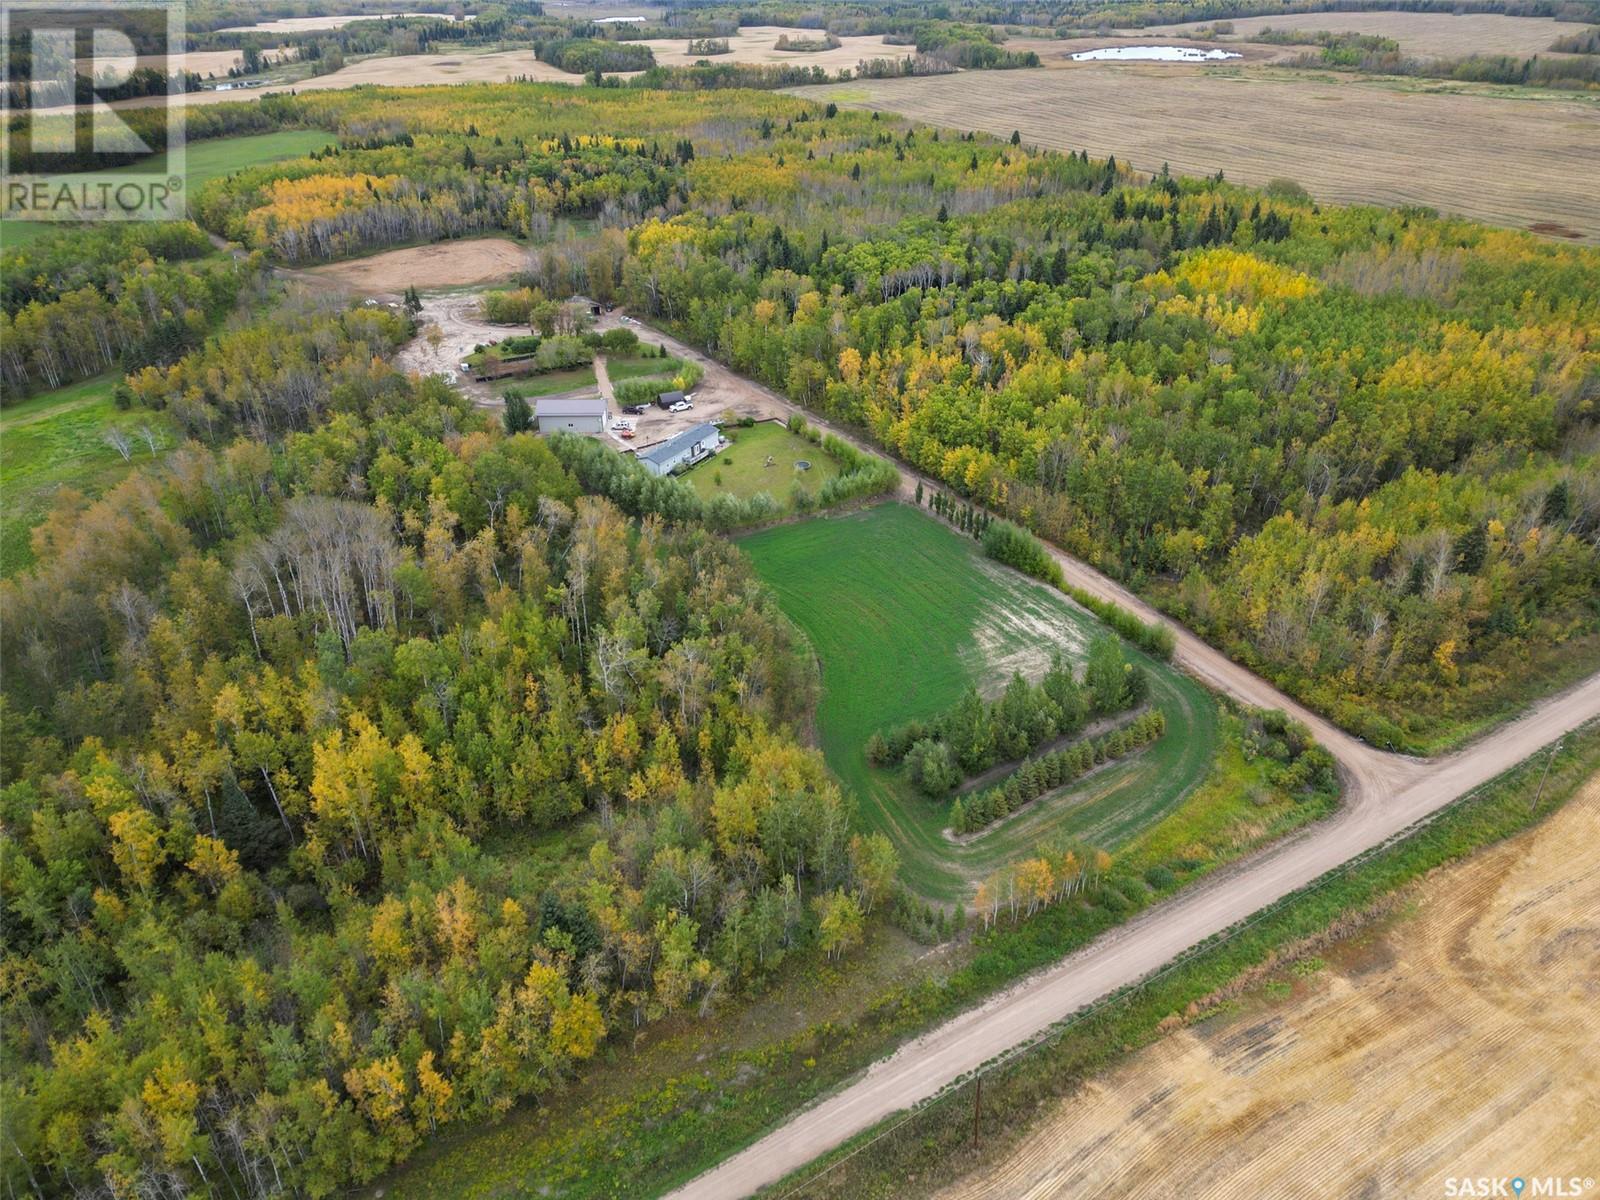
<point x="720" y="396"/>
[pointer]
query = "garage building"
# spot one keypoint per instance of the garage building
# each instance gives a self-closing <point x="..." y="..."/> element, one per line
<point x="583" y="414"/>
<point x="688" y="448"/>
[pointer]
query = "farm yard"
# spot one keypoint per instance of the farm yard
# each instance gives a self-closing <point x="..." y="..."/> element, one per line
<point x="1481" y="1005"/>
<point x="904" y="615"/>
<point x="1344" y="139"/>
<point x="763" y="458"/>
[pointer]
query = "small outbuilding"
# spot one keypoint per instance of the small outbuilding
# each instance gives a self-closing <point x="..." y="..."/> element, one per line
<point x="667" y="399"/>
<point x="580" y="414"/>
<point x="689" y="447"/>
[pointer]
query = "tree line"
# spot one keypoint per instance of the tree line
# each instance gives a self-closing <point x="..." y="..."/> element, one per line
<point x="1037" y="776"/>
<point x="976" y="734"/>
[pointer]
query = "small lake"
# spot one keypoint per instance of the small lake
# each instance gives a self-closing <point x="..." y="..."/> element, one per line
<point x="1153" y="54"/>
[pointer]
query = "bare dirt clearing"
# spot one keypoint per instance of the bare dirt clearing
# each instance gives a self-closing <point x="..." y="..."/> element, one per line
<point x="1345" y="140"/>
<point x="459" y="329"/>
<point x="443" y="264"/>
<point x="1443" y="35"/>
<point x="1465" y="1041"/>
<point x="755" y="44"/>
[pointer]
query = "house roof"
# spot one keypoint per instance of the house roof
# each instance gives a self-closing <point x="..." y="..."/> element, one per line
<point x="672" y="447"/>
<point x="570" y="406"/>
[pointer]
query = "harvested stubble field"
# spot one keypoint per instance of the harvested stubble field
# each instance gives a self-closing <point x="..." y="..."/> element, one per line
<point x="410" y="70"/>
<point x="757" y="44"/>
<point x="1434" y="34"/>
<point x="308" y="24"/>
<point x="1464" y="1041"/>
<point x="1522" y="163"/>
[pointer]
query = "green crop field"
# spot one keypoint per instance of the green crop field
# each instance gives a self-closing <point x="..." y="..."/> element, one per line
<point x="903" y="614"/>
<point x="57" y="440"/>
<point x="204" y="161"/>
<point x="749" y="472"/>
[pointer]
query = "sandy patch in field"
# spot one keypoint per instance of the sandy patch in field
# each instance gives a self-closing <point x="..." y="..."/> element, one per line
<point x="443" y="264"/>
<point x="1018" y="631"/>
<point x="754" y="44"/>
<point x="1344" y="140"/>
<point x="1438" y="34"/>
<point x="1463" y="1042"/>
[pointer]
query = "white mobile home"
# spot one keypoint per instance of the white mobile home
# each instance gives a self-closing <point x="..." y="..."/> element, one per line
<point x="688" y="448"/>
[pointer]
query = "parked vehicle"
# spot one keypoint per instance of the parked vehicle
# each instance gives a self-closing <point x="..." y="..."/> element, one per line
<point x="681" y="406"/>
<point x="636" y="410"/>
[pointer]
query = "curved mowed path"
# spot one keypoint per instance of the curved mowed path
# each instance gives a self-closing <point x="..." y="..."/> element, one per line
<point x="904" y="614"/>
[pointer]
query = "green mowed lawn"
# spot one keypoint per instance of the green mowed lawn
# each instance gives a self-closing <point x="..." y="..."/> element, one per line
<point x="57" y="440"/>
<point x="621" y="368"/>
<point x="904" y="614"/>
<point x="749" y="472"/>
<point x="552" y="383"/>
<point x="204" y="161"/>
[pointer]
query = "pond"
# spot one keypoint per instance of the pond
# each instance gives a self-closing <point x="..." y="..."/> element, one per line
<point x="1153" y="54"/>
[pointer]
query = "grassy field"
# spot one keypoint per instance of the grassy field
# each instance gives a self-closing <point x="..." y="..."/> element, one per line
<point x="551" y="384"/>
<point x="621" y="367"/>
<point x="748" y="473"/>
<point x="204" y="161"/>
<point x="1344" y="139"/>
<point x="57" y="440"/>
<point x="904" y="614"/>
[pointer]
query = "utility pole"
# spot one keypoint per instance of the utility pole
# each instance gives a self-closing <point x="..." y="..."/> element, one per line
<point x="977" y="1110"/>
<point x="1540" y="793"/>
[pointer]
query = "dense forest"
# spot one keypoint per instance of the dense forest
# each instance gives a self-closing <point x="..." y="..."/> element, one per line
<point x="1356" y="447"/>
<point x="366" y="764"/>
<point x="297" y="727"/>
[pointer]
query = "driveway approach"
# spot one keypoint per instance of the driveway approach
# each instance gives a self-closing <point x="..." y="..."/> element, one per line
<point x="1384" y="794"/>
